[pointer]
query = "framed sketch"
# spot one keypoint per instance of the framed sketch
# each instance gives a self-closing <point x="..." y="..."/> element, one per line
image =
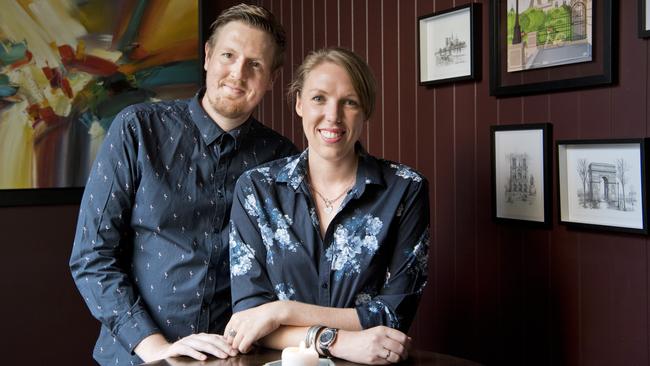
<point x="547" y="45"/>
<point x="67" y="68"/>
<point x="448" y="45"/>
<point x="521" y="180"/>
<point x="644" y="18"/>
<point x="602" y="184"/>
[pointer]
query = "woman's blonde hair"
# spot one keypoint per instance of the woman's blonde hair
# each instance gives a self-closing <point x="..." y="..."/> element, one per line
<point x="363" y="81"/>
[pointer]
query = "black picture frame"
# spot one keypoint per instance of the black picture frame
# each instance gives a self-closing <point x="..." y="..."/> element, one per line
<point x="471" y="30"/>
<point x="644" y="27"/>
<point x="601" y="71"/>
<point x="12" y="197"/>
<point x="519" y="153"/>
<point x="587" y="173"/>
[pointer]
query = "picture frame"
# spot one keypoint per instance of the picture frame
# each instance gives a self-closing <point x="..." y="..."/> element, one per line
<point x="644" y="19"/>
<point x="61" y="86"/>
<point x="449" y="45"/>
<point x="566" y="46"/>
<point x="601" y="184"/>
<point x="521" y="173"/>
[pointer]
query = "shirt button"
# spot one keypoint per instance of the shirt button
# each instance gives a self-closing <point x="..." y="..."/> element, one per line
<point x="220" y="193"/>
<point x="324" y="285"/>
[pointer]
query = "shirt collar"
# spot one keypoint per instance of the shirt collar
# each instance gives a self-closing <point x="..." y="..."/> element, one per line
<point x="368" y="171"/>
<point x="209" y="129"/>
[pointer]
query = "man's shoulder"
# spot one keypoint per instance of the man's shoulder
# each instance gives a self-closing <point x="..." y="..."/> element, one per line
<point x="155" y="108"/>
<point x="259" y="130"/>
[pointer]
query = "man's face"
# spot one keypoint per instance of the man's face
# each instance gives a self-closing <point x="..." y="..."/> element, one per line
<point x="238" y="72"/>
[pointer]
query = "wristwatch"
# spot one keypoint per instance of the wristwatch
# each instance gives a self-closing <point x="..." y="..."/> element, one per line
<point x="326" y="339"/>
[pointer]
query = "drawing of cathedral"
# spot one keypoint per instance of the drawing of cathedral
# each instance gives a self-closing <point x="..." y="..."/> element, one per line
<point x="521" y="184"/>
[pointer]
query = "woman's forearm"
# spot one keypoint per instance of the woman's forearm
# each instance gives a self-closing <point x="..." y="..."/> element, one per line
<point x="285" y="336"/>
<point x="304" y="315"/>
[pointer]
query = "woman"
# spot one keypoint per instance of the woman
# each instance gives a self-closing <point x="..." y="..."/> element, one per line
<point x="339" y="233"/>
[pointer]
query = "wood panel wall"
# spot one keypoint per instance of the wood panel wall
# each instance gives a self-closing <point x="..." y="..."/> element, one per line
<point x="498" y="294"/>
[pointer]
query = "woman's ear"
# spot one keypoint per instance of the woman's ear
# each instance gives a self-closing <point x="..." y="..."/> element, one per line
<point x="298" y="104"/>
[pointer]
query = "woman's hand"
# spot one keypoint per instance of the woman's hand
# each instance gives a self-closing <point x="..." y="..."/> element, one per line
<point x="375" y="346"/>
<point x="246" y="327"/>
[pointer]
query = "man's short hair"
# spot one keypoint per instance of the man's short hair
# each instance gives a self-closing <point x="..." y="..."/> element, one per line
<point x="257" y="17"/>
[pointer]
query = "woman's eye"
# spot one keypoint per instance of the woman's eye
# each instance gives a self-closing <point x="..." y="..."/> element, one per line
<point x="318" y="98"/>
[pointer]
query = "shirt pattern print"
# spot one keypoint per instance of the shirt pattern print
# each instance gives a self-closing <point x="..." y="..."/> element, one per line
<point x="373" y="256"/>
<point x="151" y="247"/>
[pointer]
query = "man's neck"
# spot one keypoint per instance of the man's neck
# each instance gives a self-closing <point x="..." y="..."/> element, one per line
<point x="226" y="124"/>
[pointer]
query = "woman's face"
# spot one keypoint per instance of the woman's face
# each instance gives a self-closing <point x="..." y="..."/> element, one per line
<point x="332" y="117"/>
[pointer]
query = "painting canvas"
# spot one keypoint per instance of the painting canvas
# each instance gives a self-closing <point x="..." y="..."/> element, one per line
<point x="544" y="33"/>
<point x="520" y="177"/>
<point x="447" y="48"/>
<point x="67" y="67"/>
<point x="602" y="183"/>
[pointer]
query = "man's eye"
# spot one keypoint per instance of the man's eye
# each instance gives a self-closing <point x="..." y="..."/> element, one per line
<point x="226" y="55"/>
<point x="256" y="64"/>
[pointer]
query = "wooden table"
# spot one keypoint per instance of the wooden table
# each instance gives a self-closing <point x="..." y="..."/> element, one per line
<point x="261" y="356"/>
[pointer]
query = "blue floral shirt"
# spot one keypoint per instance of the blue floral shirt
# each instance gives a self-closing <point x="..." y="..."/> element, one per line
<point x="373" y="256"/>
<point x="151" y="248"/>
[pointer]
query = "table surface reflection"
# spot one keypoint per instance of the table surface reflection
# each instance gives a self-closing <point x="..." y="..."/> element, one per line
<point x="261" y="356"/>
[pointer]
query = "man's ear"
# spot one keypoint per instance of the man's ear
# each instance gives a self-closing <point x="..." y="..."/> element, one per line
<point x="208" y="53"/>
<point x="298" y="105"/>
<point x="274" y="76"/>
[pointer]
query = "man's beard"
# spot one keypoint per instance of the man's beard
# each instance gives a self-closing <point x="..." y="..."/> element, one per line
<point x="226" y="107"/>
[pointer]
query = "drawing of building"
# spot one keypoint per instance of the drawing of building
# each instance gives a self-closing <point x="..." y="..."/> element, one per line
<point x="521" y="184"/>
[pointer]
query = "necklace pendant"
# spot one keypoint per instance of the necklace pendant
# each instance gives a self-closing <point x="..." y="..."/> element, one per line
<point x="328" y="208"/>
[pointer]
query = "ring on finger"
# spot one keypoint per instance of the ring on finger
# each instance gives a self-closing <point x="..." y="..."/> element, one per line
<point x="232" y="332"/>
<point x="388" y="354"/>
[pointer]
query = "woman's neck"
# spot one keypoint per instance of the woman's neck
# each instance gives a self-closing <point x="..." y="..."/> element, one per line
<point x="331" y="174"/>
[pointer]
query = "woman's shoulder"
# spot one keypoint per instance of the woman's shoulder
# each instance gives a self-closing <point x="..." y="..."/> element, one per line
<point x="393" y="171"/>
<point x="268" y="173"/>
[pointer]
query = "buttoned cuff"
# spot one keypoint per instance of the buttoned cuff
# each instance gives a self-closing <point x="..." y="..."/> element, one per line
<point x="133" y="328"/>
<point x="375" y="313"/>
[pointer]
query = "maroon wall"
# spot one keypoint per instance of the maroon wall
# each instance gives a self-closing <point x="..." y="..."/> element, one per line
<point x="498" y="294"/>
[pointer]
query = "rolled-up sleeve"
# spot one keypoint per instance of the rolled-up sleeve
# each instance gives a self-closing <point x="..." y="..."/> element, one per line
<point x="398" y="300"/>
<point x="250" y="284"/>
<point x="103" y="238"/>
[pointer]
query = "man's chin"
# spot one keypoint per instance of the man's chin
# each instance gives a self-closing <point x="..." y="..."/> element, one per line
<point x="229" y="111"/>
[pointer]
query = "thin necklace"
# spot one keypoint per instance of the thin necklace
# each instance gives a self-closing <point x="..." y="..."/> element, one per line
<point x="329" y="203"/>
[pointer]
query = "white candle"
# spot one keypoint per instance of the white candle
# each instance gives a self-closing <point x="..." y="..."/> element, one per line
<point x="299" y="356"/>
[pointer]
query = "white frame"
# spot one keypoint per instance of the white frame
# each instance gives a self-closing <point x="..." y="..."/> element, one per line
<point x="626" y="214"/>
<point x="433" y="30"/>
<point x="532" y="143"/>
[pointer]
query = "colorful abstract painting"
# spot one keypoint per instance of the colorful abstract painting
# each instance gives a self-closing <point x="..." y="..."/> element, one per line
<point x="67" y="67"/>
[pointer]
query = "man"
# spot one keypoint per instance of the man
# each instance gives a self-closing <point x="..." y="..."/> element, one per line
<point x="151" y="249"/>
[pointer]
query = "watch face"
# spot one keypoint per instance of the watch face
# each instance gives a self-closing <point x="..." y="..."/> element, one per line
<point x="326" y="337"/>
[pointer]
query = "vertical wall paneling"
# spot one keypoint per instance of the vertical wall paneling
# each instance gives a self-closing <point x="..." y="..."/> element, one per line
<point x="497" y="294"/>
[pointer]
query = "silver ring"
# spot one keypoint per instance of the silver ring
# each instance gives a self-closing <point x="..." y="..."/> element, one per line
<point x="232" y="332"/>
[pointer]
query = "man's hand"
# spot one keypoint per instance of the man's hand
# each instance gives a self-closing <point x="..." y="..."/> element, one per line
<point x="374" y="346"/>
<point x="197" y="346"/>
<point x="246" y="327"/>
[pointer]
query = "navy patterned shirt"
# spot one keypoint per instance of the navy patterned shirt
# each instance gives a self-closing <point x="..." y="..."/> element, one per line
<point x="373" y="256"/>
<point x="150" y="253"/>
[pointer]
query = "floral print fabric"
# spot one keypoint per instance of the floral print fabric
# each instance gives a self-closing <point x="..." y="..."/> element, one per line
<point x="373" y="256"/>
